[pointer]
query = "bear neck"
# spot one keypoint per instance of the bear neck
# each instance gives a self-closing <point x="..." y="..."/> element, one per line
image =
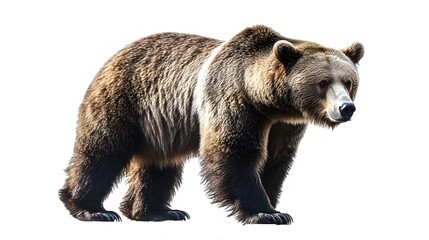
<point x="267" y="88"/>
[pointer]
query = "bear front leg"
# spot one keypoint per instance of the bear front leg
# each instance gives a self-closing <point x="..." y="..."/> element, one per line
<point x="283" y="142"/>
<point x="230" y="162"/>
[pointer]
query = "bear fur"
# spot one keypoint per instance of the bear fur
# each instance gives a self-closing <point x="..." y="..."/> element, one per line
<point x="241" y="105"/>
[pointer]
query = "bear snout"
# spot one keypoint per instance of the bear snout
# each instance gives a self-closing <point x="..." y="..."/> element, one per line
<point x="341" y="111"/>
<point x="347" y="110"/>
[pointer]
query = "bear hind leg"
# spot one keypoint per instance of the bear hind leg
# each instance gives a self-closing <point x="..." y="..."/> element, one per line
<point x="151" y="189"/>
<point x="90" y="181"/>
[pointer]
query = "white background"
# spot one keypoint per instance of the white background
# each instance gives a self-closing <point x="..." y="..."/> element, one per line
<point x="368" y="179"/>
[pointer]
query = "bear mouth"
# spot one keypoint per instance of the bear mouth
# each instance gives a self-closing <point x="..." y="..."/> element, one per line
<point x="336" y="117"/>
<point x="322" y="119"/>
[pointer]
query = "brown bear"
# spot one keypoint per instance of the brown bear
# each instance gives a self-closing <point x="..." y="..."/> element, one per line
<point x="241" y="105"/>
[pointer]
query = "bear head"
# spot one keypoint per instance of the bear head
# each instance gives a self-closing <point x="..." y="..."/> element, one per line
<point x="318" y="83"/>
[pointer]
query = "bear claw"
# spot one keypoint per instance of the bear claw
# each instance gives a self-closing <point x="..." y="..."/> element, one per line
<point x="169" y="215"/>
<point x="270" y="218"/>
<point x="107" y="216"/>
<point x="180" y="215"/>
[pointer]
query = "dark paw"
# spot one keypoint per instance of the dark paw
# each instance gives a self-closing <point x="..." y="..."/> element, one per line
<point x="270" y="218"/>
<point x="168" y="215"/>
<point x="107" y="216"/>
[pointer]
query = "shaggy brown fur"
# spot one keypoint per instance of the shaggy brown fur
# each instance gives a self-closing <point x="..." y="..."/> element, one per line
<point x="241" y="105"/>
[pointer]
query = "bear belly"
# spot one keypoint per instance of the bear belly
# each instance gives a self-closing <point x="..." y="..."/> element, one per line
<point x="169" y="137"/>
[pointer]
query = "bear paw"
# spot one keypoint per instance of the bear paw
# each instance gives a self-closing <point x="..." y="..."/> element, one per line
<point x="169" y="215"/>
<point x="270" y="218"/>
<point x="106" y="216"/>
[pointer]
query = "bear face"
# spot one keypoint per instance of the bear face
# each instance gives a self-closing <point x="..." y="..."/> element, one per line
<point x="320" y="83"/>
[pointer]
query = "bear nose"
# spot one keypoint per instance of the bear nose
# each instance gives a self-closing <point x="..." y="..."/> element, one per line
<point x="347" y="110"/>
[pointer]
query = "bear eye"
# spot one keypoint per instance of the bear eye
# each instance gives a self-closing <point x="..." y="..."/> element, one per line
<point x="347" y="84"/>
<point x="324" y="84"/>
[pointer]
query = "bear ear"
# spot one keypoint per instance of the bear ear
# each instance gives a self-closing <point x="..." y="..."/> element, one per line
<point x="354" y="52"/>
<point x="286" y="53"/>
